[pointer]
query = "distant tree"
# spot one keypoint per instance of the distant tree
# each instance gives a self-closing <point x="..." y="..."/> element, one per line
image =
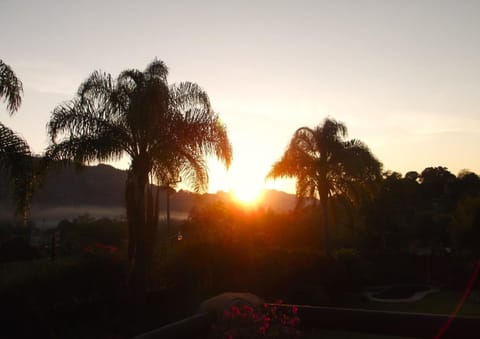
<point x="436" y="187"/>
<point x="412" y="175"/>
<point x="15" y="156"/>
<point x="326" y="165"/>
<point x="165" y="130"/>
<point x="467" y="184"/>
<point x="391" y="175"/>
<point x="434" y="175"/>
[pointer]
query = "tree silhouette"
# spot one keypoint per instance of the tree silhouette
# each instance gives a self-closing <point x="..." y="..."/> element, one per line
<point x="15" y="156"/>
<point x="165" y="130"/>
<point x="325" y="165"/>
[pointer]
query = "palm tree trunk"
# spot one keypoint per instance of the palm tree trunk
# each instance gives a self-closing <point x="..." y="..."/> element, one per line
<point x="130" y="209"/>
<point x="138" y="273"/>
<point x="151" y="223"/>
<point x="168" y="210"/>
<point x="325" y="221"/>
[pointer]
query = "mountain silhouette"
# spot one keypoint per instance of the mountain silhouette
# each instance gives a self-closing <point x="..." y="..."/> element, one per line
<point x="98" y="190"/>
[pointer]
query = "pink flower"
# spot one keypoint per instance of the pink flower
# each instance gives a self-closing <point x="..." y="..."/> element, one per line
<point x="247" y="308"/>
<point x="241" y="320"/>
<point x="235" y="310"/>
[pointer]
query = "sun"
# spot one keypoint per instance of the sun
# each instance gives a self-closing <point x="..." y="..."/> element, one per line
<point x="244" y="183"/>
<point x="246" y="195"/>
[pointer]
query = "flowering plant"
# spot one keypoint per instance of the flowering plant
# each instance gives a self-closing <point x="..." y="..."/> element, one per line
<point x="269" y="321"/>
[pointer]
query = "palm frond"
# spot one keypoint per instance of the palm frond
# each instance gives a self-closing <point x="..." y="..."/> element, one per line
<point x="101" y="93"/>
<point x="300" y="156"/>
<point x="157" y="69"/>
<point x="11" y="88"/>
<point x="16" y="160"/>
<point x="79" y="118"/>
<point x="197" y="126"/>
<point x="87" y="148"/>
<point x="333" y="129"/>
<point x="194" y="171"/>
<point x="131" y="79"/>
<point x="98" y="85"/>
<point x="359" y="162"/>
<point x="304" y="141"/>
<point x="11" y="143"/>
<point x="187" y="96"/>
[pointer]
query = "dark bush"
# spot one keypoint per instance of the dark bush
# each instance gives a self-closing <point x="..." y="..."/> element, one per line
<point x="16" y="249"/>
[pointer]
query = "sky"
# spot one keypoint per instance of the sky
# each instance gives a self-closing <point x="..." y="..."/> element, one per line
<point x="404" y="76"/>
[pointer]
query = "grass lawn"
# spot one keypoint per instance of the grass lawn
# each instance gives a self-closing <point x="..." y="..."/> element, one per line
<point x="443" y="302"/>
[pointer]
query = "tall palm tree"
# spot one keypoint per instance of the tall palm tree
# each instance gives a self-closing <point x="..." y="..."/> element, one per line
<point x="326" y="165"/>
<point x="165" y="130"/>
<point x="15" y="156"/>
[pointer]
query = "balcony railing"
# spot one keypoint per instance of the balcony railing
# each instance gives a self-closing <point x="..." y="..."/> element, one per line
<point x="418" y="325"/>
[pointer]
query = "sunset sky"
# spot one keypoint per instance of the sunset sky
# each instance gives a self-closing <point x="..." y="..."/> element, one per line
<point x="404" y="76"/>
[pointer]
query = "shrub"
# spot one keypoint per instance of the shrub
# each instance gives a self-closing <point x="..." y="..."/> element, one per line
<point x="244" y="321"/>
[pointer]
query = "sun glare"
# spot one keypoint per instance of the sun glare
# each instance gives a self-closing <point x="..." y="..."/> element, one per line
<point x="246" y="195"/>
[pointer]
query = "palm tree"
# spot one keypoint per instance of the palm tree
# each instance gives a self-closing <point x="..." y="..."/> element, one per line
<point x="165" y="130"/>
<point x="15" y="156"/>
<point x="325" y="166"/>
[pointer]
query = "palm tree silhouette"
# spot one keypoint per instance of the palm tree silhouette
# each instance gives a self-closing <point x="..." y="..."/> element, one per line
<point x="15" y="156"/>
<point x="165" y="130"/>
<point x="325" y="165"/>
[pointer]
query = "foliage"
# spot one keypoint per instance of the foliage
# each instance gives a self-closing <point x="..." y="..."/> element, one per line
<point x="16" y="162"/>
<point x="357" y="268"/>
<point x="10" y="88"/>
<point x="325" y="166"/>
<point x="244" y="321"/>
<point x="17" y="249"/>
<point x="271" y="254"/>
<point x="85" y="231"/>
<point x="423" y="211"/>
<point x="15" y="156"/>
<point x="465" y="224"/>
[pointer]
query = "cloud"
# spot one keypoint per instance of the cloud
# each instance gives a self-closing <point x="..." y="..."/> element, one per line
<point x="50" y="77"/>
